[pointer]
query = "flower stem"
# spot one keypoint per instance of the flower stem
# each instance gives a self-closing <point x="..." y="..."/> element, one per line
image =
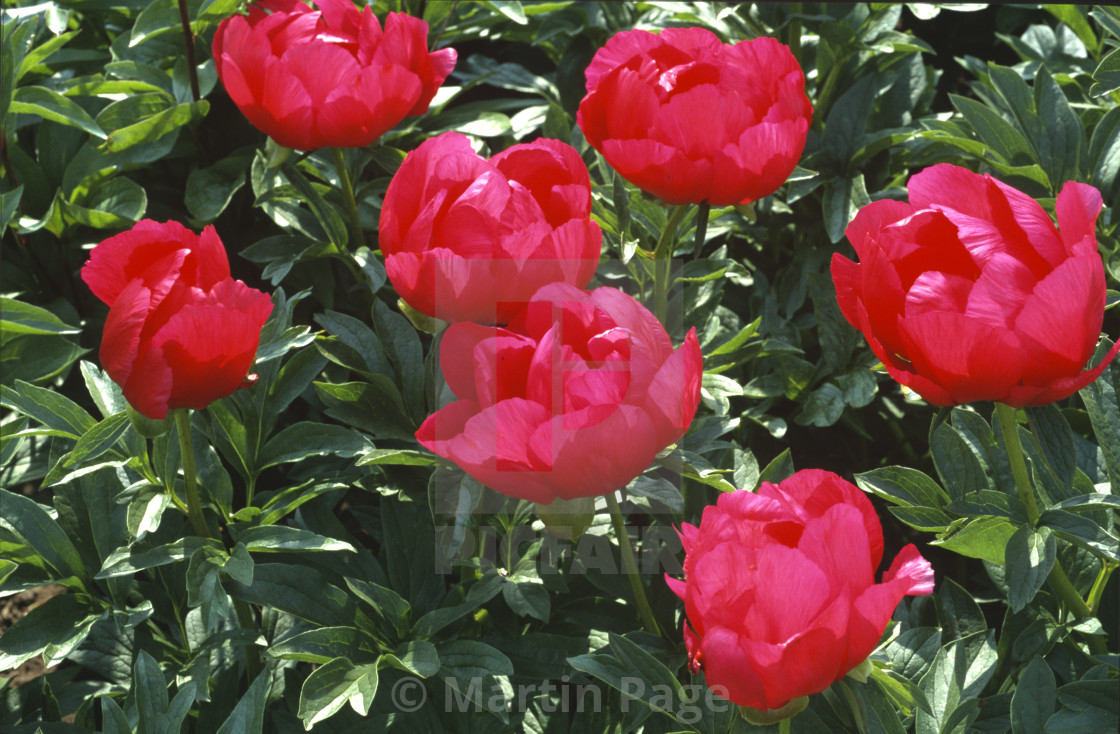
<point x="1095" y="594"/>
<point x="1058" y="582"/>
<point x="631" y="567"/>
<point x="188" y="43"/>
<point x="701" y="227"/>
<point x="784" y="725"/>
<point x="662" y="256"/>
<point x="795" y="32"/>
<point x="190" y="473"/>
<point x="357" y="239"/>
<point x="1010" y="428"/>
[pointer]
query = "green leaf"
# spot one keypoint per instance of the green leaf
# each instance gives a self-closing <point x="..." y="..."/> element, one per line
<point x="1057" y="441"/>
<point x="957" y="466"/>
<point x="150" y="691"/>
<point x="209" y="190"/>
<point x="284" y="538"/>
<point x="399" y="457"/>
<point x="48" y="407"/>
<point x="846" y="122"/>
<point x="929" y="519"/>
<point x="23" y="318"/>
<point x="959" y="673"/>
<point x="325" y="644"/>
<point x="126" y="561"/>
<point x="1033" y="701"/>
<point x="50" y="105"/>
<point x="996" y="132"/>
<point x="634" y="658"/>
<point x="366" y="354"/>
<point x="418" y="657"/>
<point x="117" y="203"/>
<point x="231" y="436"/>
<point x="1102" y="403"/>
<point x="779" y="469"/>
<point x="902" y="486"/>
<point x="298" y="590"/>
<point x="9" y="204"/>
<point x="437" y="619"/>
<point x="913" y="651"/>
<point x="843" y="197"/>
<point x="1083" y="531"/>
<point x="99" y="439"/>
<point x="958" y="612"/>
<point x="31" y="521"/>
<point x="1107" y="75"/>
<point x="1030" y="556"/>
<point x="1088" y="707"/>
<point x="386" y="603"/>
<point x="52" y="629"/>
<point x="332" y="685"/>
<point x="247" y="716"/>
<point x="301" y="440"/>
<point x="1062" y="138"/>
<point x="374" y="406"/>
<point x="155" y="127"/>
<point x="327" y="215"/>
<point x="471" y="658"/>
<point x="402" y="346"/>
<point x="983" y="537"/>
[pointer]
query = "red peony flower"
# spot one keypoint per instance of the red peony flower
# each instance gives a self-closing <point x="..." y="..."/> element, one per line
<point x="470" y="239"/>
<point x="690" y="119"/>
<point x="780" y="592"/>
<point x="328" y="77"/>
<point x="181" y="333"/>
<point x="574" y="399"/>
<point x="969" y="292"/>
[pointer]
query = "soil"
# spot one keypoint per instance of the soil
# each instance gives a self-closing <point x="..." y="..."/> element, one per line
<point x="12" y="609"/>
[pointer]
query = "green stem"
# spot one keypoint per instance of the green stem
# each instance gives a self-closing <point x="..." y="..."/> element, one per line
<point x="246" y="619"/>
<point x="188" y="44"/>
<point x="190" y="473"/>
<point x="631" y="567"/>
<point x="1058" y="582"/>
<point x="701" y="227"/>
<point x="1010" y="428"/>
<point x="1097" y="591"/>
<point x="357" y="239"/>
<point x="795" y="32"/>
<point x="662" y="255"/>
<point x="784" y="725"/>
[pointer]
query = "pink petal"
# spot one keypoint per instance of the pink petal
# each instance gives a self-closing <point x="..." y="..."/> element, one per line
<point x="1077" y="207"/>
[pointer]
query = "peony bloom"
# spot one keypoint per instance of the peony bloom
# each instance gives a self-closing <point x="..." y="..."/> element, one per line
<point x="328" y="77"/>
<point x="574" y="399"/>
<point x="690" y="119"/>
<point x="181" y="333"/>
<point x="969" y="292"/>
<point x="470" y="239"/>
<point x="780" y="592"/>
